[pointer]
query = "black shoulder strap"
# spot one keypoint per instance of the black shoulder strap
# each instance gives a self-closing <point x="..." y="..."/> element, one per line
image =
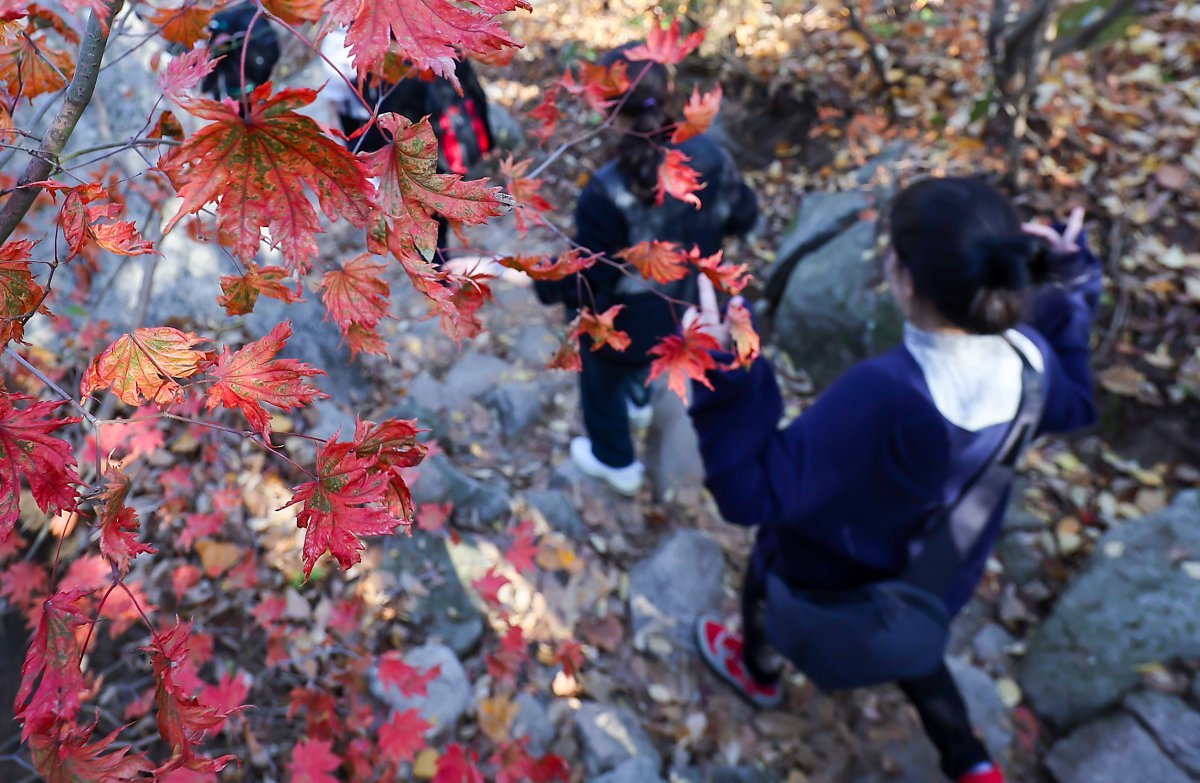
<point x="957" y="527"/>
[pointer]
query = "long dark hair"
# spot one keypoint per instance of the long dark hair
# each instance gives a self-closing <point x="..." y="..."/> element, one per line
<point x="961" y="241"/>
<point x="639" y="152"/>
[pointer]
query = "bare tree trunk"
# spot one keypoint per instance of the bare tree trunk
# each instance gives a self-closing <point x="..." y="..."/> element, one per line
<point x="79" y="94"/>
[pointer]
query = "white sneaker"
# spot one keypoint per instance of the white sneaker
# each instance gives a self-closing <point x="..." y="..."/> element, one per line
<point x="626" y="480"/>
<point x="640" y="416"/>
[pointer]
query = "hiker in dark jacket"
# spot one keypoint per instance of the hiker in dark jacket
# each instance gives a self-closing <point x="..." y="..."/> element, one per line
<point x="246" y="61"/>
<point x="617" y="210"/>
<point x="841" y="495"/>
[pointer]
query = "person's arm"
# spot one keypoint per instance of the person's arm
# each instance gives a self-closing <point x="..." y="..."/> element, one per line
<point x="760" y="474"/>
<point x="1062" y="313"/>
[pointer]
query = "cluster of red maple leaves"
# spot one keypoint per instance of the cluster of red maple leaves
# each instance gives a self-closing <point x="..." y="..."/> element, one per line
<point x="252" y="166"/>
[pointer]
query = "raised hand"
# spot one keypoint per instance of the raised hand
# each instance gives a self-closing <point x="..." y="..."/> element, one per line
<point x="1067" y="241"/>
<point x="708" y="316"/>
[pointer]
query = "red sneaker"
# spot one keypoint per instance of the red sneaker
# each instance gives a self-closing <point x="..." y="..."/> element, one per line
<point x="722" y="649"/>
<point x="990" y="774"/>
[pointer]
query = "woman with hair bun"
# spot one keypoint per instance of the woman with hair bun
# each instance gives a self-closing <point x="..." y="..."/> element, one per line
<point x="616" y="210"/>
<point x="851" y="496"/>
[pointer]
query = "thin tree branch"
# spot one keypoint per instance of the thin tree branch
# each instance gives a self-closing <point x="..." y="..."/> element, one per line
<point x="1086" y="36"/>
<point x="79" y="95"/>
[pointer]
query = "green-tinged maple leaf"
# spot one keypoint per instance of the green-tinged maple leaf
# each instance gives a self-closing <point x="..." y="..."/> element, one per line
<point x="19" y="292"/>
<point x="666" y="45"/>
<point x="601" y="329"/>
<point x="684" y="357"/>
<point x="698" y="114"/>
<point x="403" y="735"/>
<point x="677" y="179"/>
<point x="240" y="292"/>
<point x="143" y="365"/>
<point x="119" y="524"/>
<point x="411" y="189"/>
<point x="51" y="680"/>
<point x="662" y="262"/>
<point x="65" y="757"/>
<point x="355" y="293"/>
<point x="256" y="169"/>
<point x="252" y="376"/>
<point x="313" y="761"/>
<point x="28" y="449"/>
<point x="429" y="33"/>
<point x="342" y="504"/>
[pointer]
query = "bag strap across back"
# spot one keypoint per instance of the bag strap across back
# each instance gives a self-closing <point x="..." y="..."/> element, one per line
<point x="956" y="529"/>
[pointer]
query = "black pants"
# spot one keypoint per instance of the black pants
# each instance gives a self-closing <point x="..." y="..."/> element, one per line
<point x="604" y="386"/>
<point x="936" y="696"/>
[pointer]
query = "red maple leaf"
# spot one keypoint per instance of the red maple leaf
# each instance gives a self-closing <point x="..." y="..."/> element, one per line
<point x="20" y="294"/>
<point x="665" y="45"/>
<point x="313" y="761"/>
<point x="51" y="680"/>
<point x="429" y="33"/>
<point x="251" y="376"/>
<point x="395" y="672"/>
<point x="458" y="766"/>
<point x="730" y="278"/>
<point x="677" y="179"/>
<point x="567" y="356"/>
<point x="321" y="719"/>
<point x="742" y="334"/>
<point x="119" y="524"/>
<point x="684" y="357"/>
<point x="526" y="193"/>
<point x="662" y="262"/>
<point x="355" y="294"/>
<point x="432" y="517"/>
<point x="228" y="695"/>
<point x="10" y="546"/>
<point x="23" y="581"/>
<point x="522" y="551"/>
<point x="81" y="219"/>
<point x="546" y="115"/>
<point x="256" y="168"/>
<point x="698" y="114"/>
<point x="143" y="365"/>
<point x="570" y="655"/>
<point x="460" y="314"/>
<point x="65" y="757"/>
<point x="393" y="444"/>
<point x="403" y="735"/>
<point x="566" y="264"/>
<point x="27" y="449"/>
<point x="200" y="525"/>
<point x="341" y="505"/>
<point x="504" y="664"/>
<point x="598" y="84"/>
<point x="488" y="586"/>
<point x="184" y="578"/>
<point x="601" y="330"/>
<point x="240" y="292"/>
<point x="550" y="769"/>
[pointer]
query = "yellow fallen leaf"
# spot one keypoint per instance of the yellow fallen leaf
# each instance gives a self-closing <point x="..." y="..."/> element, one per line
<point x="217" y="557"/>
<point x="1121" y="379"/>
<point x="425" y="766"/>
<point x="496" y="716"/>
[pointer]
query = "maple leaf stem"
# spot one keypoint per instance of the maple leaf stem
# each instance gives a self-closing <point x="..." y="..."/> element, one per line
<point x="608" y="123"/>
<point x="78" y="96"/>
<point x="118" y="146"/>
<point x="41" y="376"/>
<point x="251" y="436"/>
<point x="96" y="620"/>
<point x="38" y="51"/>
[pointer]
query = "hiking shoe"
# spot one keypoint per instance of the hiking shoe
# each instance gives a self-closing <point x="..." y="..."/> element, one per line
<point x="985" y="773"/>
<point x="722" y="649"/>
<point x="640" y="416"/>
<point x="626" y="480"/>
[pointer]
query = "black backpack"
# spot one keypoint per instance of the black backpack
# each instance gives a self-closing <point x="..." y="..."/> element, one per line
<point x="227" y="38"/>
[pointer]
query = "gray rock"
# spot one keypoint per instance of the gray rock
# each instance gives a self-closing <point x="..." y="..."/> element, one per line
<point x="332" y="419"/>
<point x="534" y="345"/>
<point x="832" y="313"/>
<point x="447" y="612"/>
<point x="559" y="512"/>
<point x="1120" y="613"/>
<point x="1174" y="725"/>
<point x="641" y="769"/>
<point x="473" y="374"/>
<point x="990" y="645"/>
<point x="672" y="587"/>
<point x="610" y="736"/>
<point x="506" y="131"/>
<point x="1111" y="750"/>
<point x="1020" y="553"/>
<point x="518" y="405"/>
<point x="912" y="760"/>
<point x="987" y="711"/>
<point x="822" y="216"/>
<point x="672" y="453"/>
<point x="439" y="481"/>
<point x="314" y="340"/>
<point x="448" y="695"/>
<point x="428" y="419"/>
<point x="742" y="774"/>
<point x="533" y="722"/>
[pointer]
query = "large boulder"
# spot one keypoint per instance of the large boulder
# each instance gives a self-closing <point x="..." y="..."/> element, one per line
<point x="447" y="696"/>
<point x="1174" y="725"/>
<point x="672" y="453"/>
<point x="984" y="705"/>
<point x="833" y="312"/>
<point x="445" y="612"/>
<point x="672" y="587"/>
<point x="1112" y="750"/>
<point x="822" y="216"/>
<point x="640" y="769"/>
<point x="440" y="481"/>
<point x="1136" y="602"/>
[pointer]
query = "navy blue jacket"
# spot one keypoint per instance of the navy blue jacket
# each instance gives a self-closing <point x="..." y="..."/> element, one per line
<point x="610" y="218"/>
<point x="841" y="493"/>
